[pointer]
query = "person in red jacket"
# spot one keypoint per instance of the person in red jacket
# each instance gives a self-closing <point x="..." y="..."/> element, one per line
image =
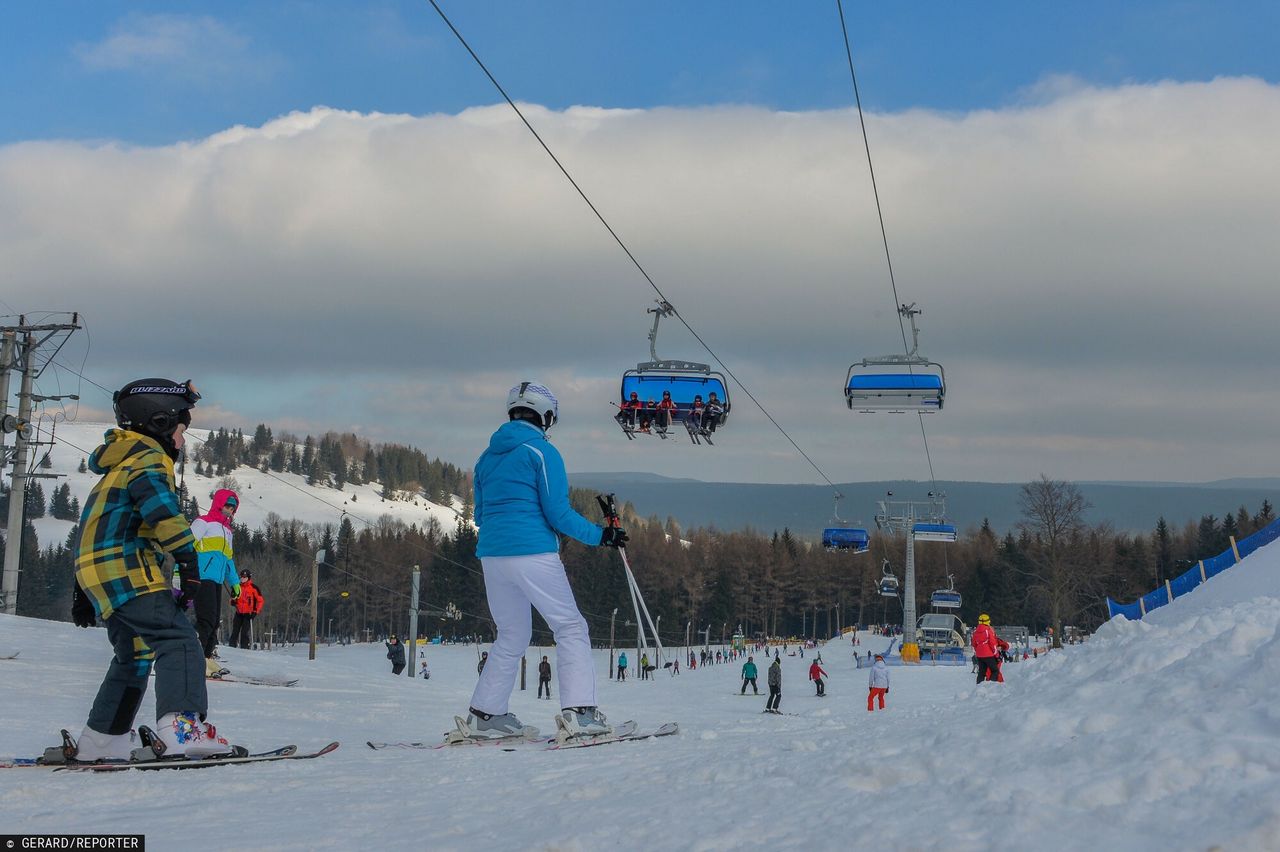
<point x="248" y="605"/>
<point x="816" y="674"/>
<point x="1002" y="648"/>
<point x="984" y="648"/>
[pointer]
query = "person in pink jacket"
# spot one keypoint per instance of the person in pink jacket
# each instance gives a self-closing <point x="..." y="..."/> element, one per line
<point x="984" y="648"/>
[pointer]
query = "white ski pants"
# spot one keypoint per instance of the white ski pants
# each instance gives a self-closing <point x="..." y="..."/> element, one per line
<point x="511" y="584"/>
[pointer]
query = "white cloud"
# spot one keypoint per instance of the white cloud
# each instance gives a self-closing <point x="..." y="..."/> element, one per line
<point x="1096" y="270"/>
<point x="193" y="46"/>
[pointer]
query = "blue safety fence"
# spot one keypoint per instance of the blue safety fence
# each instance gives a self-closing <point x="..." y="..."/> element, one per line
<point x="1194" y="576"/>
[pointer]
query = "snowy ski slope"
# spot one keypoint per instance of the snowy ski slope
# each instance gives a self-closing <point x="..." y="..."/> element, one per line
<point x="1163" y="734"/>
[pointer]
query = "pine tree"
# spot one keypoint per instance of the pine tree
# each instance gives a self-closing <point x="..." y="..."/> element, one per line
<point x="1164" y="550"/>
<point x="83" y="468"/>
<point x="46" y="461"/>
<point x="278" y="458"/>
<point x="35" y="500"/>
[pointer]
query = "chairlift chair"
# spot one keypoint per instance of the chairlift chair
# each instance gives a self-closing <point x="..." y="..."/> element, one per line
<point x="897" y="383"/>
<point x="888" y="582"/>
<point x="933" y="532"/>
<point x="685" y="381"/>
<point x="842" y="537"/>
<point x="947" y="598"/>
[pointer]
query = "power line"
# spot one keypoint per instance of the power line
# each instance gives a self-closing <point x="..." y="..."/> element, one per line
<point x="623" y="245"/>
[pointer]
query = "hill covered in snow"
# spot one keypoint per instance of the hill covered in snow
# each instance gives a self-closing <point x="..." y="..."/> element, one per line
<point x="262" y="493"/>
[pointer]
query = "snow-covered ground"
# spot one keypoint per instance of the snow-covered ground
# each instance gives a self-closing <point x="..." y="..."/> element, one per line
<point x="285" y="494"/>
<point x="1155" y="735"/>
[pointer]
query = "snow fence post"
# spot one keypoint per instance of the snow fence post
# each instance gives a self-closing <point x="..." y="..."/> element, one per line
<point x="1203" y="578"/>
<point x="1168" y="591"/>
<point x="1235" y="550"/>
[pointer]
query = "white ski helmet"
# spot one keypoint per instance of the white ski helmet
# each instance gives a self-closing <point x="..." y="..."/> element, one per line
<point x="537" y="398"/>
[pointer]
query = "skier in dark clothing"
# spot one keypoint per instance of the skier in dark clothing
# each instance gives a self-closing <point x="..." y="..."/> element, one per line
<point x="775" y="687"/>
<point x="484" y="658"/>
<point x="395" y="653"/>
<point x="544" y="678"/>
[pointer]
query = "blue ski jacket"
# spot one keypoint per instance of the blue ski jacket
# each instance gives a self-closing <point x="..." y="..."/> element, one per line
<point x="522" y="496"/>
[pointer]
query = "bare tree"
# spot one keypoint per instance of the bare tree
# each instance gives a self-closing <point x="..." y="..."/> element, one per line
<point x="1059" y="570"/>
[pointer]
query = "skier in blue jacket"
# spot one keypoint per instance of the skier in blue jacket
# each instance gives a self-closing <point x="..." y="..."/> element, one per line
<point x="521" y="503"/>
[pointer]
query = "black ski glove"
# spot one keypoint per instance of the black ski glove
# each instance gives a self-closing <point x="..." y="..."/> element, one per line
<point x="188" y="577"/>
<point x="614" y="537"/>
<point x="83" y="613"/>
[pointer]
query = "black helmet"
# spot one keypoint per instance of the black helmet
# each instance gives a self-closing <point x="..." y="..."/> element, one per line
<point x="155" y="407"/>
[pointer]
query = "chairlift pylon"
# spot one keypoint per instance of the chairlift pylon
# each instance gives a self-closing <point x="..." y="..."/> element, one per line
<point x="645" y="391"/>
<point x="897" y="383"/>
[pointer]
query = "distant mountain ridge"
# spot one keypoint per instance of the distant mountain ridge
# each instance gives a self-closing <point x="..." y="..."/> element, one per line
<point x="806" y="509"/>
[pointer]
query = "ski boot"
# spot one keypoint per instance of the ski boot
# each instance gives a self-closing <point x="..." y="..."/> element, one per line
<point x="96" y="747"/>
<point x="581" y="722"/>
<point x="180" y="735"/>
<point x="213" y="669"/>
<point x="489" y="726"/>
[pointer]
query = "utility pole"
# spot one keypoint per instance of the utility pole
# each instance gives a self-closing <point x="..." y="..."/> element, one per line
<point x="315" y="601"/>
<point x="11" y="356"/>
<point x="413" y="625"/>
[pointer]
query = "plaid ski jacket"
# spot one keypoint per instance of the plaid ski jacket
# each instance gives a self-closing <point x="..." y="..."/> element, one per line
<point x="131" y="512"/>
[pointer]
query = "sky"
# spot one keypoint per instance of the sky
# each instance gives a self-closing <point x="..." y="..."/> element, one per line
<point x="326" y="216"/>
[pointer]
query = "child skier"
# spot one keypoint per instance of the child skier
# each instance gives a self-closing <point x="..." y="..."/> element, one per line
<point x="129" y="514"/>
<point x="212" y="532"/>
<point x="521" y="502"/>
<point x="248" y="605"/>
<point x="877" y="683"/>
<point x="395" y="653"/>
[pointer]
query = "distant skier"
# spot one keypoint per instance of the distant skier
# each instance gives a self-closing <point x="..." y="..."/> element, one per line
<point x="984" y="648"/>
<point x="749" y="676"/>
<point x="395" y="653"/>
<point x="775" y="687"/>
<point x="622" y="666"/>
<point x="544" y="678"/>
<point x="248" y="605"/>
<point x="816" y="674"/>
<point x="484" y="658"/>
<point x="877" y="683"/>
<point x="644" y="666"/>
<point x="213" y="534"/>
<point x="129" y="515"/>
<point x="521" y="503"/>
<point x="425" y="674"/>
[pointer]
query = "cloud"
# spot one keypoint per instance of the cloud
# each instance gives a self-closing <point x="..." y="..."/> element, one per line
<point x="194" y="47"/>
<point x="1096" y="270"/>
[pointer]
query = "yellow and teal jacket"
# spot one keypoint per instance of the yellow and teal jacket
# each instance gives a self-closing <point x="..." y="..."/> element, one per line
<point x="213" y="543"/>
<point x="130" y="515"/>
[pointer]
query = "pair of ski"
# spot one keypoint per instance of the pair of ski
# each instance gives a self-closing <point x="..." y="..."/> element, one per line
<point x="255" y="681"/>
<point x="626" y="732"/>
<point x="12" y="656"/>
<point x="62" y="758"/>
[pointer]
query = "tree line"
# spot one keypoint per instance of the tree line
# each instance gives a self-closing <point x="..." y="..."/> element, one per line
<point x="1051" y="570"/>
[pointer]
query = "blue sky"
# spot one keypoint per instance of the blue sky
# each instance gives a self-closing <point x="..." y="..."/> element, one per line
<point x="153" y="73"/>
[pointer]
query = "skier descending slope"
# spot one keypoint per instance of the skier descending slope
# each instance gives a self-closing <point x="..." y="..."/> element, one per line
<point x="131" y="512"/>
<point x="521" y="502"/>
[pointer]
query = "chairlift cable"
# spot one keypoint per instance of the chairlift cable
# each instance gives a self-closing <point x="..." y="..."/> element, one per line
<point x="623" y="245"/>
<point x="884" y="234"/>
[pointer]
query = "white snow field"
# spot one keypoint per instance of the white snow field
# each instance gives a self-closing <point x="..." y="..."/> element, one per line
<point x="1155" y="735"/>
